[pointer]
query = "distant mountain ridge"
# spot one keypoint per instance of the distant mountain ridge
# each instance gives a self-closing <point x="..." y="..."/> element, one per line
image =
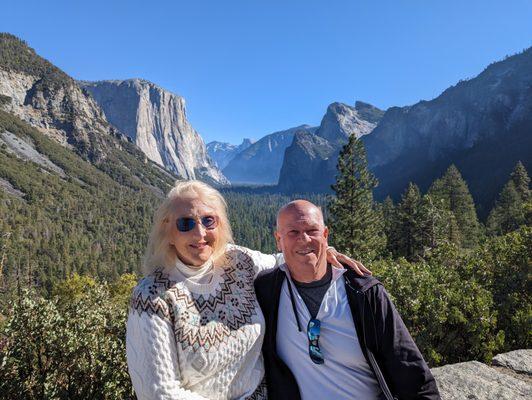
<point x="309" y="164"/>
<point x="261" y="162"/>
<point x="222" y="153"/>
<point x="482" y="125"/>
<point x="156" y="122"/>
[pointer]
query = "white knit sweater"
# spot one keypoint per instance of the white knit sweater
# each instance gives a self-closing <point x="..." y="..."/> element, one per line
<point x="199" y="335"/>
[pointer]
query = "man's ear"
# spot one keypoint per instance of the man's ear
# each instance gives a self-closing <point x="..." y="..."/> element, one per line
<point x="278" y="240"/>
<point x="326" y="233"/>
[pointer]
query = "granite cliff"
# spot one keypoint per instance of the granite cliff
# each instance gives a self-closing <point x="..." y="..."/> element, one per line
<point x="309" y="163"/>
<point x="482" y="125"/>
<point x="156" y="121"/>
<point x="41" y="94"/>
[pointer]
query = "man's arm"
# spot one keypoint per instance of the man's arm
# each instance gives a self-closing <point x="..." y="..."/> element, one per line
<point x="406" y="372"/>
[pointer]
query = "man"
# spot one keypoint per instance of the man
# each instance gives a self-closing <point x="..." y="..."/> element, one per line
<point x="329" y="333"/>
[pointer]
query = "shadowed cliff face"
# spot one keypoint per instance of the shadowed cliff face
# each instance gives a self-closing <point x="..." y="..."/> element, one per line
<point x="261" y="162"/>
<point x="156" y="121"/>
<point x="492" y="104"/>
<point x="310" y="161"/>
<point x="483" y="126"/>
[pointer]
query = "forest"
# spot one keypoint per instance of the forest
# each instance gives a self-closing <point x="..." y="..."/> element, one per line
<point x="71" y="249"/>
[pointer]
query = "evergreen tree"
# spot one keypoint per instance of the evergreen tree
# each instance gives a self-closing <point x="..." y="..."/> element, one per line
<point x="410" y="223"/>
<point x="510" y="210"/>
<point x="452" y="194"/>
<point x="356" y="226"/>
<point x="521" y="180"/>
<point x="389" y="217"/>
<point x="438" y="225"/>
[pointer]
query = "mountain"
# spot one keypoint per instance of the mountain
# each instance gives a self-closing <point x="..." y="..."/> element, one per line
<point x="261" y="162"/>
<point x="222" y="153"/>
<point x="482" y="125"/>
<point x="60" y="213"/>
<point x="156" y="121"/>
<point x="341" y="121"/>
<point x="310" y="161"/>
<point x="307" y="164"/>
<point x="76" y="196"/>
<point x="43" y="95"/>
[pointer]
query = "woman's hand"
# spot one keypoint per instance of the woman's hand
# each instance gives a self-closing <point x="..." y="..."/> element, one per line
<point x="337" y="259"/>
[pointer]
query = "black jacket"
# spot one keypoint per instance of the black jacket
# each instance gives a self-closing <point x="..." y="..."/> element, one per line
<point x="388" y="347"/>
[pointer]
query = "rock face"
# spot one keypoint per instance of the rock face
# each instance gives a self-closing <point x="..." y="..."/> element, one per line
<point x="44" y="96"/>
<point x="261" y="162"/>
<point x="341" y="121"/>
<point x="156" y="122"/>
<point x="222" y="153"/>
<point x="34" y="91"/>
<point x="310" y="162"/>
<point x="482" y="125"/>
<point x="474" y="380"/>
<point x="519" y="361"/>
<point x="307" y="160"/>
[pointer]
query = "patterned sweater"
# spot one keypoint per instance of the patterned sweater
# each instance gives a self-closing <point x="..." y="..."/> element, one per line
<point x="199" y="339"/>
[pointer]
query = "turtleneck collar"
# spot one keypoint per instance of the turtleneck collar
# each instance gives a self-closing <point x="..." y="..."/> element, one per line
<point x="189" y="271"/>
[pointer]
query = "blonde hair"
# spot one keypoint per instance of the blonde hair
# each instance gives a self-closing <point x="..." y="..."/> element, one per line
<point x="159" y="252"/>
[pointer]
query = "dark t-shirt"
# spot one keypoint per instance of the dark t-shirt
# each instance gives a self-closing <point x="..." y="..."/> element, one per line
<point x="313" y="292"/>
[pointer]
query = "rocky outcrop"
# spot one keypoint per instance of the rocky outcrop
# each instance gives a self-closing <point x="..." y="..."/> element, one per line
<point x="509" y="379"/>
<point x="222" y="153"/>
<point x="36" y="92"/>
<point x="156" y="121"/>
<point x="309" y="164"/>
<point x="25" y="150"/>
<point x="341" y="121"/>
<point x="61" y="110"/>
<point x="261" y="162"/>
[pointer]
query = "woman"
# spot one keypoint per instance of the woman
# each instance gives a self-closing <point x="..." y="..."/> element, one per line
<point x="195" y="329"/>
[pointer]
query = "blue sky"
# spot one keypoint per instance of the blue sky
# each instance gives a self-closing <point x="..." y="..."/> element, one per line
<point x="249" y="68"/>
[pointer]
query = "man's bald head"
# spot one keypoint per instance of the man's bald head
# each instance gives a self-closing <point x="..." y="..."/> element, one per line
<point x="301" y="208"/>
<point x="302" y="237"/>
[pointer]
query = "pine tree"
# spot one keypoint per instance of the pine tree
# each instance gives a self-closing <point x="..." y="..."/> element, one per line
<point x="438" y="225"/>
<point x="452" y="194"/>
<point x="356" y="226"/>
<point x="410" y="223"/>
<point x="510" y="210"/>
<point x="389" y="217"/>
<point x="521" y="180"/>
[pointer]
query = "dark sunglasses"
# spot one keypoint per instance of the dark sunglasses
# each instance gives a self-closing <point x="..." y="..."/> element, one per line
<point x="313" y="333"/>
<point x="185" y="224"/>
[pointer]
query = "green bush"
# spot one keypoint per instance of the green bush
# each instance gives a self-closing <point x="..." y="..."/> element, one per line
<point x="70" y="346"/>
<point x="450" y="315"/>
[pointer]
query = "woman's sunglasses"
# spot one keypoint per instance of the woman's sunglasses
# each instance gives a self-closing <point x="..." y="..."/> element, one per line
<point x="185" y="224"/>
